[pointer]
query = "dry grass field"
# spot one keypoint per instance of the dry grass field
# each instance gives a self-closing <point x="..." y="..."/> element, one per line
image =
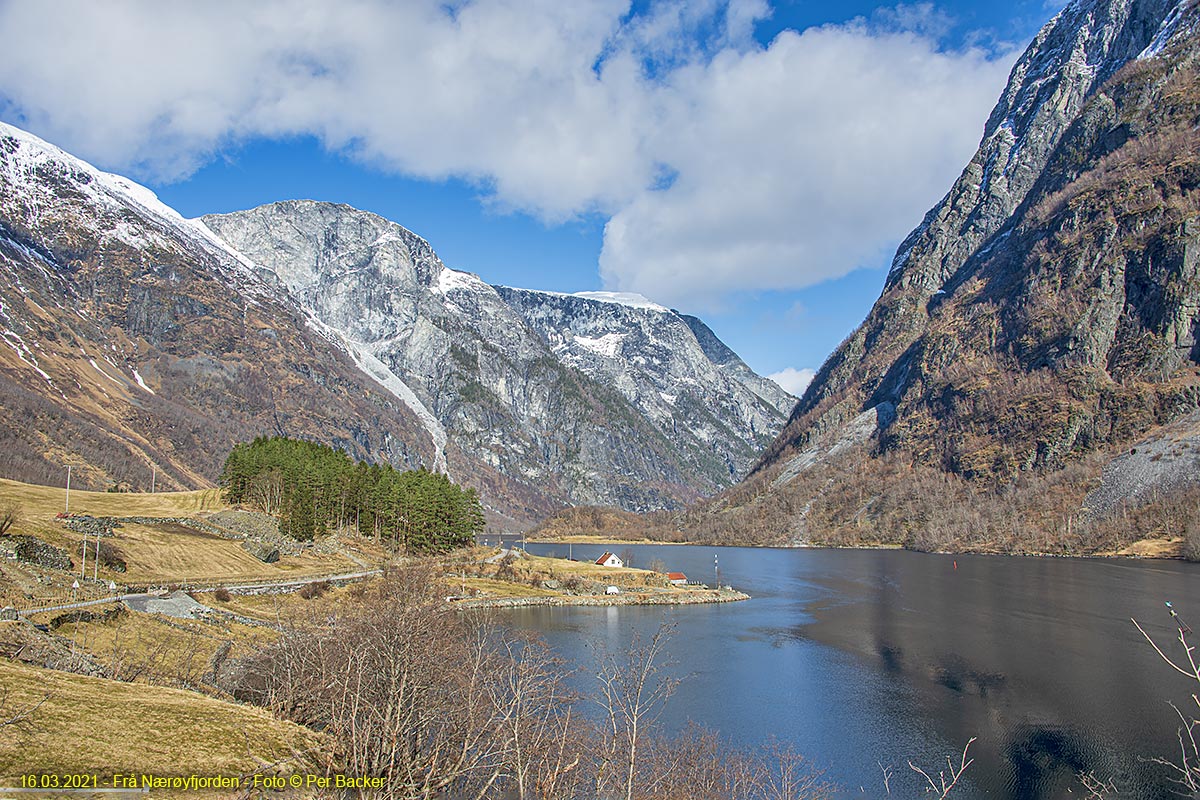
<point x="43" y="502"/>
<point x="146" y="648"/>
<point x="90" y="725"/>
<point x="179" y="554"/>
<point x="164" y="553"/>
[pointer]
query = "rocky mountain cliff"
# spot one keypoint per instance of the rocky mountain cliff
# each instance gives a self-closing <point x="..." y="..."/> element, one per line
<point x="669" y="366"/>
<point x="590" y="415"/>
<point x="1041" y="318"/>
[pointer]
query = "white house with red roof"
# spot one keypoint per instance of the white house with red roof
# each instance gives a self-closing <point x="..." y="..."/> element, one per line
<point x="677" y="578"/>
<point x="609" y="560"/>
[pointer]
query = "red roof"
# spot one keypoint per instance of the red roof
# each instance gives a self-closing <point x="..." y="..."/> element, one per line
<point x="676" y="576"/>
<point x="604" y="558"/>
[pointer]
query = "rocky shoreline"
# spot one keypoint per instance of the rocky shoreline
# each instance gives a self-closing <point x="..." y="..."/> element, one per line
<point x="628" y="599"/>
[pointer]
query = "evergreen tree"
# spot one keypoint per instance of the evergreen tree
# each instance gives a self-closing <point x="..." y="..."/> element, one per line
<point x="314" y="488"/>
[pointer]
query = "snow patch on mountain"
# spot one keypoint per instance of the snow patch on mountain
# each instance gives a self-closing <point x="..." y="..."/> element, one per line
<point x="1177" y="23"/>
<point x="381" y="373"/>
<point x="608" y="345"/>
<point x="137" y="376"/>
<point x="96" y="367"/>
<point x="630" y="299"/>
<point x="450" y="280"/>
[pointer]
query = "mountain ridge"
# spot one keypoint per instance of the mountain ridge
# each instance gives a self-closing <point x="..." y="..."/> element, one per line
<point x="476" y="364"/>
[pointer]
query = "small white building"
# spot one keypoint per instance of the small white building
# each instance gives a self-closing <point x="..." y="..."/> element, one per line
<point x="613" y="590"/>
<point x="609" y="560"/>
<point x="677" y="578"/>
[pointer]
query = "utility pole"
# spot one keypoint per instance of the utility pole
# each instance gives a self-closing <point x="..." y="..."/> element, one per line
<point x="67" y="507"/>
<point x="717" y="571"/>
<point x="153" y="475"/>
<point x="83" y="565"/>
<point x="96" y="560"/>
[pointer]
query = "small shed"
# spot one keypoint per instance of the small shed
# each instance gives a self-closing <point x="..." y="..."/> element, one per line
<point x="677" y="578"/>
<point x="613" y="590"/>
<point x="609" y="560"/>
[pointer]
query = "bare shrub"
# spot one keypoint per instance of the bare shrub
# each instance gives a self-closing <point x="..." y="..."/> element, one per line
<point x="311" y="591"/>
<point x="635" y="685"/>
<point x="697" y="765"/>
<point x="1185" y="772"/>
<point x="435" y="702"/>
<point x="222" y="595"/>
<point x="10" y="515"/>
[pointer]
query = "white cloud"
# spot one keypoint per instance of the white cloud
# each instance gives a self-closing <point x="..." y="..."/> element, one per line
<point x="793" y="381"/>
<point x="723" y="165"/>
<point x="800" y="162"/>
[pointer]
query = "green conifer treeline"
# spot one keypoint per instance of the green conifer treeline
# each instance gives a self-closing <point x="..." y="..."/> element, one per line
<point x="314" y="488"/>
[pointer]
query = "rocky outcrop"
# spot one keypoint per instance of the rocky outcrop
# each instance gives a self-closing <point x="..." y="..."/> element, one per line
<point x="32" y="550"/>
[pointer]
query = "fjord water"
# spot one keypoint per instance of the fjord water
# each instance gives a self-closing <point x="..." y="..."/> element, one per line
<point x="865" y="660"/>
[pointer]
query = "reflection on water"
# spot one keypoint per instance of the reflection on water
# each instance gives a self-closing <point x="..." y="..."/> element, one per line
<point x="864" y="659"/>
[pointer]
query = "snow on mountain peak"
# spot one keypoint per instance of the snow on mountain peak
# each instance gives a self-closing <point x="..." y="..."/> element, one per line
<point x="106" y="190"/>
<point x="451" y="279"/>
<point x="631" y="299"/>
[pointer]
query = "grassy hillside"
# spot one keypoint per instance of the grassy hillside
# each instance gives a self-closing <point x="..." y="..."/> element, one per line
<point x="157" y="553"/>
<point x="88" y="725"/>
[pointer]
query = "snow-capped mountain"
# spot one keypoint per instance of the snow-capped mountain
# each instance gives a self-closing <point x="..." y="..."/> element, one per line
<point x="671" y="367"/>
<point x="485" y="370"/>
<point x="137" y="340"/>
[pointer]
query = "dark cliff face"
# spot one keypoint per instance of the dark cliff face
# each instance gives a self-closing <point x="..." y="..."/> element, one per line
<point x="1045" y="308"/>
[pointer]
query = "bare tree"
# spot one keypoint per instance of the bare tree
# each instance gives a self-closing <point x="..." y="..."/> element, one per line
<point x="20" y="715"/>
<point x="10" y="515"/>
<point x="946" y="779"/>
<point x="786" y="775"/>
<point x="696" y="765"/>
<point x="537" y="716"/>
<point x="1097" y="789"/>
<point x="431" y="700"/>
<point x="1187" y="771"/>
<point x="634" y="688"/>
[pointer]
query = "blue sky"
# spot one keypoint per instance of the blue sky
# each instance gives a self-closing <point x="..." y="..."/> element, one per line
<point x="752" y="163"/>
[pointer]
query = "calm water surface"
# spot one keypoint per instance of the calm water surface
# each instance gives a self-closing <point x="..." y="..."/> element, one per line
<point x="868" y="659"/>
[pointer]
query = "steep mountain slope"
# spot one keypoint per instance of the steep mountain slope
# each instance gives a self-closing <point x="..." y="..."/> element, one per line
<point x="501" y="393"/>
<point x="136" y="340"/>
<point x="1044" y="311"/>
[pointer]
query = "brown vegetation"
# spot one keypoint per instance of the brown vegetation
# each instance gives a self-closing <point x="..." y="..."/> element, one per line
<point x="608" y="523"/>
<point x="10" y="515"/>
<point x="439" y="703"/>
